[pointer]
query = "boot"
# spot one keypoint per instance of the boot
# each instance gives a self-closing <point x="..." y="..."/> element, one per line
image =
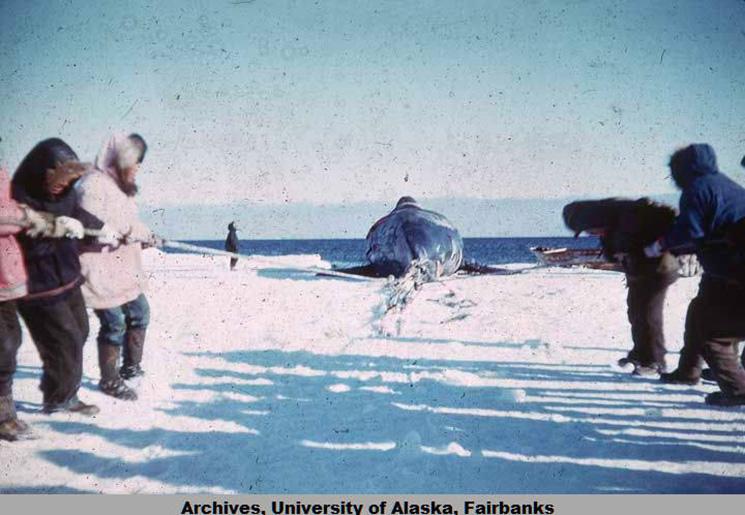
<point x="679" y="377"/>
<point x="650" y="369"/>
<point x="721" y="355"/>
<point x="133" y="349"/>
<point x="111" y="383"/>
<point x="724" y="399"/>
<point x="11" y="429"/>
<point x="707" y="374"/>
<point x="627" y="361"/>
<point x="74" y="405"/>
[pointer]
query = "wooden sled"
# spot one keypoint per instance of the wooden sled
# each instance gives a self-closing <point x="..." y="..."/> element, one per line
<point x="564" y="257"/>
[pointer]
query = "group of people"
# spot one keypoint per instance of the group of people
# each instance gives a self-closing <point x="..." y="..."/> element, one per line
<point x="70" y="238"/>
<point x="645" y="238"/>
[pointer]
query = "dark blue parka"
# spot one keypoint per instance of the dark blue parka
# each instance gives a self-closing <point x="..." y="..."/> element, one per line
<point x="52" y="263"/>
<point x="710" y="203"/>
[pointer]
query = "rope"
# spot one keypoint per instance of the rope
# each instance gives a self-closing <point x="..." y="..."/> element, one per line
<point x="400" y="291"/>
<point x="24" y="224"/>
<point x="311" y="269"/>
<point x="206" y="250"/>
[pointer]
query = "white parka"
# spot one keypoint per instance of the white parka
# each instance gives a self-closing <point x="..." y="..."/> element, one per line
<point x="113" y="276"/>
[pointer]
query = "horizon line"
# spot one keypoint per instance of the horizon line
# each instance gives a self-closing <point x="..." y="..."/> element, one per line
<point x="362" y="239"/>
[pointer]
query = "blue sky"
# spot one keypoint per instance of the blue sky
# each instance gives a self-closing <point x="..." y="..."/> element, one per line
<point x="293" y="107"/>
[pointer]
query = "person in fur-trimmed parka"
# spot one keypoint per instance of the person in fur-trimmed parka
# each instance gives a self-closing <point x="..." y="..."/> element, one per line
<point x="115" y="281"/>
<point x="54" y="309"/>
<point x="624" y="227"/>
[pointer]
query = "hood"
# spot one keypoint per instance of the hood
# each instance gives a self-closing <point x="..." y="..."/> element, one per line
<point x="601" y="214"/>
<point x="30" y="176"/>
<point x="117" y="153"/>
<point x="692" y="162"/>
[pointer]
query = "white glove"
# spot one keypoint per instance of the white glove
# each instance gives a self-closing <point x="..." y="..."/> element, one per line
<point x="37" y="223"/>
<point x="689" y="265"/>
<point x="653" y="250"/>
<point x="64" y="226"/>
<point x="109" y="236"/>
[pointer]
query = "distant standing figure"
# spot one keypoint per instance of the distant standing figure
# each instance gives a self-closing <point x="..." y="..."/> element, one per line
<point x="232" y="243"/>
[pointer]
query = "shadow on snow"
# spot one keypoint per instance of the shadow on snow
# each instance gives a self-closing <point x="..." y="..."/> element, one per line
<point x="318" y="423"/>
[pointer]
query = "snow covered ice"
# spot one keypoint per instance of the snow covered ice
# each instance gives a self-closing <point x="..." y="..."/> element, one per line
<point x="268" y="380"/>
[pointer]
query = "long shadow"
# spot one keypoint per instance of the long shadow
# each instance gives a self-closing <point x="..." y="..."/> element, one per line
<point x="28" y="372"/>
<point x="475" y="398"/>
<point x="298" y="275"/>
<point x="512" y="370"/>
<point x="28" y="407"/>
<point x="608" y="349"/>
<point x="377" y="425"/>
<point x="406" y="339"/>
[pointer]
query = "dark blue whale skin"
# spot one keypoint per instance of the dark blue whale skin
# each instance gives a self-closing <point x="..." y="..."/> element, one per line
<point x="410" y="233"/>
